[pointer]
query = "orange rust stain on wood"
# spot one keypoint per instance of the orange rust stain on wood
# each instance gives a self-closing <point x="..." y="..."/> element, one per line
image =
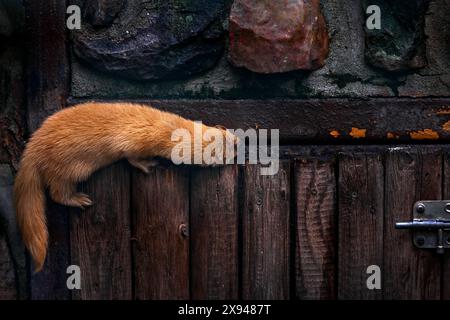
<point x="357" y="133"/>
<point x="446" y="126"/>
<point x="334" y="133"/>
<point x="425" y="134"/>
<point x="444" y="111"/>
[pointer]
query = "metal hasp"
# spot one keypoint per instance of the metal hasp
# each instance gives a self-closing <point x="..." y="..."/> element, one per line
<point x="430" y="225"/>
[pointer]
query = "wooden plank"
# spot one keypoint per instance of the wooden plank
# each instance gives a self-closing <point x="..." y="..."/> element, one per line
<point x="361" y="201"/>
<point x="47" y="59"/>
<point x="315" y="196"/>
<point x="100" y="236"/>
<point x="160" y="206"/>
<point x="47" y="89"/>
<point x="50" y="283"/>
<point x="214" y="233"/>
<point x="409" y="272"/>
<point x="266" y="234"/>
<point x="8" y="289"/>
<point x="446" y="258"/>
<point x="13" y="270"/>
<point x="324" y="120"/>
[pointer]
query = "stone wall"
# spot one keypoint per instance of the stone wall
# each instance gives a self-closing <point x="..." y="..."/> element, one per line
<point x="347" y="72"/>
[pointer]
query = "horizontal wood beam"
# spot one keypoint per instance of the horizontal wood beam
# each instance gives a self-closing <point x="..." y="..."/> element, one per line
<point x="324" y="120"/>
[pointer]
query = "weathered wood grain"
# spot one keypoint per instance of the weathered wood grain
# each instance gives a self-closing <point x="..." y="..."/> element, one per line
<point x="266" y="234"/>
<point x="13" y="269"/>
<point x="100" y="236"/>
<point x="361" y="201"/>
<point x="47" y="89"/>
<point x="324" y="120"/>
<point x="315" y="196"/>
<point x="50" y="283"/>
<point x="160" y="209"/>
<point x="214" y="233"/>
<point x="446" y="259"/>
<point x="8" y="289"/>
<point x="47" y="59"/>
<point x="409" y="272"/>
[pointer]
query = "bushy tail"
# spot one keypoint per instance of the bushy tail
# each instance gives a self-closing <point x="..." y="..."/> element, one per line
<point x="29" y="198"/>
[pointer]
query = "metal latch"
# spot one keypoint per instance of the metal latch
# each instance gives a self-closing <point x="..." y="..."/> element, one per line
<point x="431" y="225"/>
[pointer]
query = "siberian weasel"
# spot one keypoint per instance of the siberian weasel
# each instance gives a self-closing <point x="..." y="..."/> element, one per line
<point x="72" y="144"/>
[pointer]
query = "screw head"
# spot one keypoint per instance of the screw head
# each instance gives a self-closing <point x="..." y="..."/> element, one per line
<point x="183" y="229"/>
<point x="420" y="208"/>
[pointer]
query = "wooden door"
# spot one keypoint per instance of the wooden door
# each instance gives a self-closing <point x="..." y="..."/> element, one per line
<point x="350" y="169"/>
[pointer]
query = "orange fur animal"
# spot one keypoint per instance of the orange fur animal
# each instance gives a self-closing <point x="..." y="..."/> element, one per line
<point x="75" y="142"/>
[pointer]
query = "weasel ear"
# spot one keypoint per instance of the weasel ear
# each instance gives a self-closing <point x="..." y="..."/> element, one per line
<point x="220" y="127"/>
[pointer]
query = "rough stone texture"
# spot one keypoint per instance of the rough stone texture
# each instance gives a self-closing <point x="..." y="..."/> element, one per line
<point x="400" y="43"/>
<point x="277" y="36"/>
<point x="152" y="39"/>
<point x="434" y="79"/>
<point x="101" y="13"/>
<point x="345" y="74"/>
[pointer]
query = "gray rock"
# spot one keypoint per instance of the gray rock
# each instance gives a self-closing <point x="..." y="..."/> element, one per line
<point x="400" y="43"/>
<point x="152" y="39"/>
<point x="101" y="13"/>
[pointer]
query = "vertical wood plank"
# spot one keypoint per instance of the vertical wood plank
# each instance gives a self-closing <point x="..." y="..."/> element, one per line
<point x="266" y="235"/>
<point x="214" y="233"/>
<point x="47" y="88"/>
<point x="13" y="272"/>
<point x="446" y="259"/>
<point x="8" y="290"/>
<point x="315" y="195"/>
<point x="50" y="283"/>
<point x="100" y="236"/>
<point x="160" y="206"/>
<point x="409" y="272"/>
<point x="47" y="59"/>
<point x="361" y="201"/>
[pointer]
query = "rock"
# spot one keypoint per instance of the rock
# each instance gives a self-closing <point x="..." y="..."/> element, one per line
<point x="101" y="13"/>
<point x="400" y="43"/>
<point x="269" y="36"/>
<point x="148" y="40"/>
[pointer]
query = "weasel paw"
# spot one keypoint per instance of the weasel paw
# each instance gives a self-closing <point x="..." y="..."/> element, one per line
<point x="81" y="200"/>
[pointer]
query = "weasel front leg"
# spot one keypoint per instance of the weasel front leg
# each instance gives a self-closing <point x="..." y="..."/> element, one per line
<point x="65" y="193"/>
<point x="143" y="164"/>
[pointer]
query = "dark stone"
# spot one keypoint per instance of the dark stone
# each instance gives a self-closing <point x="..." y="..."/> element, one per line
<point x="269" y="36"/>
<point x="101" y="13"/>
<point x="152" y="39"/>
<point x="400" y="43"/>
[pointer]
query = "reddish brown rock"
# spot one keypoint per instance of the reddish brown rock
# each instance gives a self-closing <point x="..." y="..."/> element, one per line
<point x="269" y="36"/>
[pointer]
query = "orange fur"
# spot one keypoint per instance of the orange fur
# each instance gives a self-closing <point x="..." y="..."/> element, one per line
<point x="75" y="142"/>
